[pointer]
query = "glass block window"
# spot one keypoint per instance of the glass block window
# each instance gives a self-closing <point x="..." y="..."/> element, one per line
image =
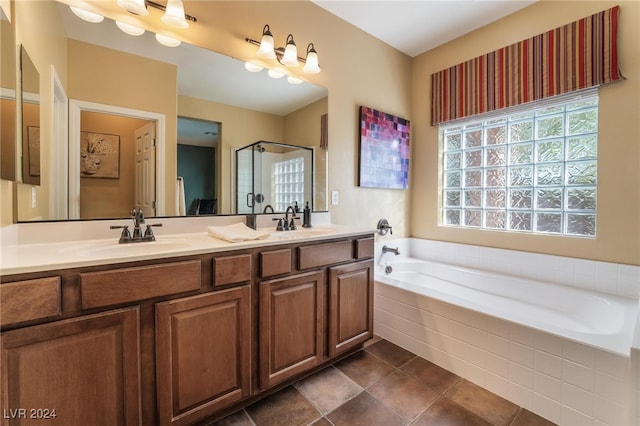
<point x="288" y="183"/>
<point x="531" y="169"/>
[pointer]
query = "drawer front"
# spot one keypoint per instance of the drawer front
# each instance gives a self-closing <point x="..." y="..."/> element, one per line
<point x="364" y="248"/>
<point x="275" y="262"/>
<point x="324" y="254"/>
<point x="231" y="269"/>
<point x="130" y="284"/>
<point x="30" y="300"/>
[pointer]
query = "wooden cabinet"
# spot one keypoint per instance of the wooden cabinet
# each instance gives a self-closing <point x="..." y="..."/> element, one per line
<point x="178" y="341"/>
<point x="291" y="326"/>
<point x="350" y="306"/>
<point x="203" y="354"/>
<point x="73" y="372"/>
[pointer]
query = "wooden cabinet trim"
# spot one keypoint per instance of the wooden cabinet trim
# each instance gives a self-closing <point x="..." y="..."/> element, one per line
<point x="36" y="362"/>
<point x="181" y="386"/>
<point x="116" y="286"/>
<point x="234" y="269"/>
<point x="275" y="262"/>
<point x="317" y="255"/>
<point x="350" y="306"/>
<point x="365" y="247"/>
<point x="30" y="300"/>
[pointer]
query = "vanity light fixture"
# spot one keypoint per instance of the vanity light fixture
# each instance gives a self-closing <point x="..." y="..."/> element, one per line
<point x="173" y="15"/>
<point x="287" y="56"/>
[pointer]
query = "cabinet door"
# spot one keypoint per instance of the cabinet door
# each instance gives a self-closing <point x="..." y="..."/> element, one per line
<point x="350" y="306"/>
<point x="202" y="354"/>
<point x="73" y="372"/>
<point x="291" y="326"/>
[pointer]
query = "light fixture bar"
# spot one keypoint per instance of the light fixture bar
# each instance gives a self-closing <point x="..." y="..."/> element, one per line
<point x="164" y="8"/>
<point x="279" y="50"/>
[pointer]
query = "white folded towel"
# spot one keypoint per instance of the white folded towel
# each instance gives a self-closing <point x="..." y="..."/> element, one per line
<point x="236" y="233"/>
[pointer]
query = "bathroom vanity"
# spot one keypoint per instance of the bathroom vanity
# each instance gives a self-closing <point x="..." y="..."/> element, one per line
<point x="182" y="336"/>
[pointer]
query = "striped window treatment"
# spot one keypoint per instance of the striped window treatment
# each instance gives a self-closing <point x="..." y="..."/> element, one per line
<point x="572" y="57"/>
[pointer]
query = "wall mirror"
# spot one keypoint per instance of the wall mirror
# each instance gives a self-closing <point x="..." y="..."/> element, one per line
<point x="30" y="104"/>
<point x="9" y="153"/>
<point x="212" y="89"/>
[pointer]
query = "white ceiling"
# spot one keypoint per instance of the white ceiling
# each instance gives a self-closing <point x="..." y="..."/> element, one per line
<point x="413" y="27"/>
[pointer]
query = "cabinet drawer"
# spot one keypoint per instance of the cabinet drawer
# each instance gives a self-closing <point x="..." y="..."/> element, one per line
<point x="364" y="248"/>
<point x="30" y="300"/>
<point x="275" y="262"/>
<point x="144" y="282"/>
<point x="231" y="269"/>
<point x="324" y="254"/>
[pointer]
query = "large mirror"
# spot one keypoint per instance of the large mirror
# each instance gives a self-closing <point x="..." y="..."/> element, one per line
<point x="8" y="154"/>
<point x="220" y="107"/>
<point x="30" y="105"/>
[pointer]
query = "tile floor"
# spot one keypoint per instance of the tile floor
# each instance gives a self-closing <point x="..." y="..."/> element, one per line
<point x="384" y="385"/>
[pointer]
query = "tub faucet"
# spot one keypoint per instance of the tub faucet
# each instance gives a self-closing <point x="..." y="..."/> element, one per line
<point x="386" y="249"/>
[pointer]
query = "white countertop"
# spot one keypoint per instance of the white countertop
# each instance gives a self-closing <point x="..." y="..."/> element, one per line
<point x="21" y="257"/>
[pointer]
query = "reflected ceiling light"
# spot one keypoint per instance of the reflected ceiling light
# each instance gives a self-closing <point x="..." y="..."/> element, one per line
<point x="137" y="7"/>
<point x="287" y="56"/>
<point x="251" y="67"/>
<point x="174" y="14"/>
<point x="130" y="29"/>
<point x="276" y="73"/>
<point x="294" y="80"/>
<point x="85" y="15"/>
<point x="168" y="41"/>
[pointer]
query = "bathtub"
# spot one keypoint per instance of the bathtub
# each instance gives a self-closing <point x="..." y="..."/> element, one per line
<point x="600" y="320"/>
<point x="562" y="352"/>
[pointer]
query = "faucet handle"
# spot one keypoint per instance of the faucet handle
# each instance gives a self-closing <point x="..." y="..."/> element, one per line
<point x="125" y="235"/>
<point x="280" y="226"/>
<point x="148" y="233"/>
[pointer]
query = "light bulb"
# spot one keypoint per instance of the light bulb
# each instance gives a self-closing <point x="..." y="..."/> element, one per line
<point x="290" y="58"/>
<point x="85" y="15"/>
<point x="174" y="14"/>
<point x="168" y="41"/>
<point x="266" y="49"/>
<point x="311" y="66"/>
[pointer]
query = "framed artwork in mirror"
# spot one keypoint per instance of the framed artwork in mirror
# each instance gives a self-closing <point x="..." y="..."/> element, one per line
<point x="384" y="150"/>
<point x="33" y="148"/>
<point x="99" y="155"/>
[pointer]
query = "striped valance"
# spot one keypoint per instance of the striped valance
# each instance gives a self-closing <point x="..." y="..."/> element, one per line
<point x="575" y="56"/>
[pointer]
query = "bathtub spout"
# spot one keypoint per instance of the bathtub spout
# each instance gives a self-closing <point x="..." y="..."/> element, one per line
<point x="386" y="249"/>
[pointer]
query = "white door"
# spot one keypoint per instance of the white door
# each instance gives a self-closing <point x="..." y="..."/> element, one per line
<point x="145" y="193"/>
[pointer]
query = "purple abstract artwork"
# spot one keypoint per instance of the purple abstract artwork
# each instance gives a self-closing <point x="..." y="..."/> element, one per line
<point x="384" y="150"/>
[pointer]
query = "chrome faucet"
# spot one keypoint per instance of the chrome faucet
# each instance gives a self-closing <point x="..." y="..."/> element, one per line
<point x="386" y="249"/>
<point x="137" y="237"/>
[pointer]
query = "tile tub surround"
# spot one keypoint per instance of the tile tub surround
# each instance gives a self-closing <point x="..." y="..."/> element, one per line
<point x="563" y="381"/>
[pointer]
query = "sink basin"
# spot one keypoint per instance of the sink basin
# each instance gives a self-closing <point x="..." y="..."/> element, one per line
<point x="300" y="233"/>
<point x="114" y="249"/>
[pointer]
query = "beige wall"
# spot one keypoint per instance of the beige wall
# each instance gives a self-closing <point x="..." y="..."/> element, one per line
<point x="618" y="223"/>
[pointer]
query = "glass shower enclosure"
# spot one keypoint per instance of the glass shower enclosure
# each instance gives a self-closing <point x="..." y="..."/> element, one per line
<point x="272" y="176"/>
